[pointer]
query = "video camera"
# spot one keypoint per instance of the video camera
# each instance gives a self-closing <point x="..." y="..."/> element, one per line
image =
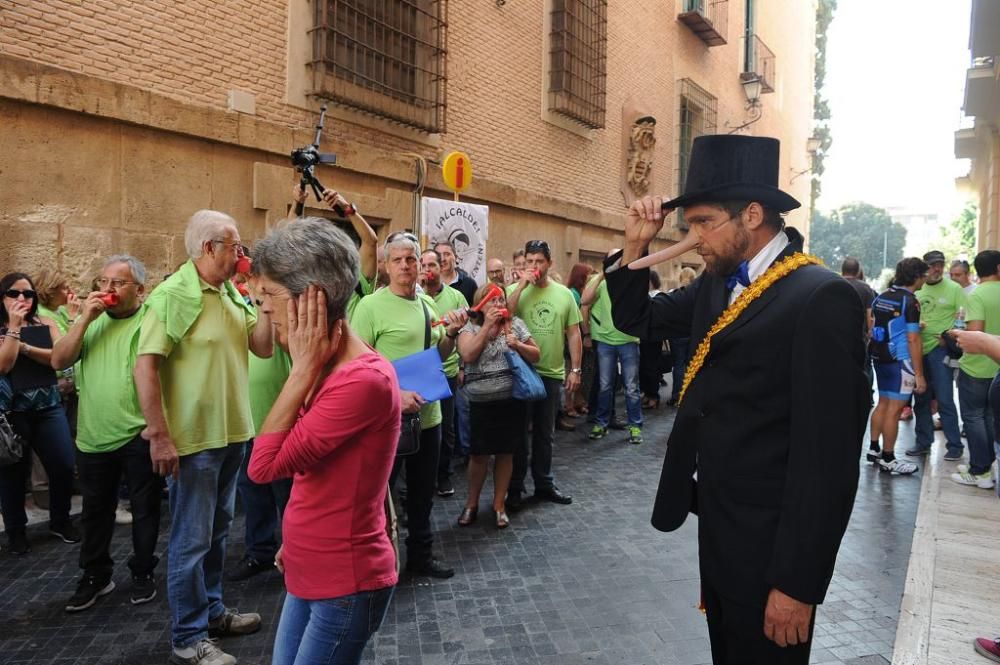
<point x="305" y="161"/>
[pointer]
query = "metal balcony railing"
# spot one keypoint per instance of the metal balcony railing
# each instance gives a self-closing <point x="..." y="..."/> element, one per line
<point x="708" y="19"/>
<point x="759" y="63"/>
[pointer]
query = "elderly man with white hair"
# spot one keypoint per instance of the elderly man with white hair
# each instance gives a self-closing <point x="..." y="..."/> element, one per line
<point x="191" y="376"/>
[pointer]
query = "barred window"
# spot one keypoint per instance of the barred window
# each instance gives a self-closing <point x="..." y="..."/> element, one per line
<point x="697" y="115"/>
<point x="578" y="65"/>
<point x="385" y="57"/>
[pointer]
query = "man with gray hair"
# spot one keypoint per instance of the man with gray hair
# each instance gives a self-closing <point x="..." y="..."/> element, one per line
<point x="192" y="378"/>
<point x="108" y="438"/>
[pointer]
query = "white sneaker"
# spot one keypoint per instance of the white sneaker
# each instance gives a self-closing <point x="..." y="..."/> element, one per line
<point x="123" y="516"/>
<point x="966" y="477"/>
<point x="897" y="466"/>
<point x="205" y="652"/>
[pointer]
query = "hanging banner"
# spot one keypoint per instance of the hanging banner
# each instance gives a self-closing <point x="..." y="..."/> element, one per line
<point x="465" y="226"/>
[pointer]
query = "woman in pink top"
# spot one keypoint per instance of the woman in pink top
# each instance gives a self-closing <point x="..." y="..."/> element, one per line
<point x="334" y="429"/>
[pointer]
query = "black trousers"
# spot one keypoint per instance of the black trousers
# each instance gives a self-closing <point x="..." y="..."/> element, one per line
<point x="421" y="481"/>
<point x="100" y="478"/>
<point x="447" y="434"/>
<point x="649" y="368"/>
<point x="736" y="632"/>
<point x="543" y="429"/>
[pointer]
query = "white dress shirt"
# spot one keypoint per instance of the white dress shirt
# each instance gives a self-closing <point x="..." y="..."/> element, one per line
<point x="759" y="264"/>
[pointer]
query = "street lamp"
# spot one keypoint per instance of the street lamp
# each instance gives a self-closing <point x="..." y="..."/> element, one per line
<point x="812" y="147"/>
<point x="752" y="88"/>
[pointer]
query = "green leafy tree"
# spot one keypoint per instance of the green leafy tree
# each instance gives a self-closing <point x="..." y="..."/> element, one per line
<point x="959" y="238"/>
<point x="860" y="230"/>
<point x="821" y="108"/>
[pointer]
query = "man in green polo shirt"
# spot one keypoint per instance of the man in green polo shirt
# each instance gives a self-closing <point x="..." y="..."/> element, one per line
<point x="613" y="347"/>
<point x="550" y="312"/>
<point x="397" y="322"/>
<point x="975" y="375"/>
<point x="192" y="378"/>
<point x="446" y="299"/>
<point x="108" y="440"/>
<point x="940" y="300"/>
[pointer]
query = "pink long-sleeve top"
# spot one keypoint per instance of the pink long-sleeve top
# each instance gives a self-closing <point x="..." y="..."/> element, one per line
<point x="340" y="452"/>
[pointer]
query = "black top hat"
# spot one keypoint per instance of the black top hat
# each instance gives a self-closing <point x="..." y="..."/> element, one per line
<point x="727" y="167"/>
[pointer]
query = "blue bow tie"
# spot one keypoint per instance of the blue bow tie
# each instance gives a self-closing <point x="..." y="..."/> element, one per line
<point x="741" y="276"/>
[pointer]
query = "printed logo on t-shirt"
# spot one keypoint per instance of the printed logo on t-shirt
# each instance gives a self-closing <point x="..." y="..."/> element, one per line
<point x="543" y="316"/>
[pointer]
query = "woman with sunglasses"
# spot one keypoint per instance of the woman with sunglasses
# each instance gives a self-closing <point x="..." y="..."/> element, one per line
<point x="499" y="422"/>
<point x="29" y="392"/>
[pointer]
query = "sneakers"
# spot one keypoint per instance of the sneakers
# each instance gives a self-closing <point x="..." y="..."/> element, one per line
<point x="634" y="434"/>
<point x="247" y="568"/>
<point x="953" y="455"/>
<point x="123" y="515"/>
<point x="67" y="532"/>
<point x="445" y="488"/>
<point x="874" y="455"/>
<point x="917" y="451"/>
<point x="234" y="623"/>
<point x="897" y="466"/>
<point x="598" y="432"/>
<point x="987" y="648"/>
<point x="907" y="414"/>
<point x="143" y="589"/>
<point x="88" y="590"/>
<point x="17" y="542"/>
<point x="205" y="652"/>
<point x="966" y="477"/>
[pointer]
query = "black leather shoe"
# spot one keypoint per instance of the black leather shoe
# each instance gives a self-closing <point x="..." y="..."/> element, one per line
<point x="430" y="568"/>
<point x="247" y="568"/>
<point x="554" y="495"/>
<point x="515" y="502"/>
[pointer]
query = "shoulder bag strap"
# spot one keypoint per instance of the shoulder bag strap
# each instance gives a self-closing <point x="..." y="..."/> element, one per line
<point x="427" y="325"/>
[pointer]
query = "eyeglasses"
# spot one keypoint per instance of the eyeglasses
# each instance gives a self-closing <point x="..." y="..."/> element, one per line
<point x="14" y="293"/>
<point x="104" y="282"/>
<point x="535" y="246"/>
<point x="240" y="249"/>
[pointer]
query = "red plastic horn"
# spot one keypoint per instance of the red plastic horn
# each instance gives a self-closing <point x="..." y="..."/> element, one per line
<point x="110" y="299"/>
<point x="493" y="292"/>
<point x="243" y="265"/>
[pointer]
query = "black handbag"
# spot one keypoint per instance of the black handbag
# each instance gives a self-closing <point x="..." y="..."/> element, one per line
<point x="409" y="430"/>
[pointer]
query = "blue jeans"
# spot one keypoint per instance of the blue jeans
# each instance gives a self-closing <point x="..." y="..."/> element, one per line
<point x="973" y="399"/>
<point x="202" y="500"/>
<point x="332" y="631"/>
<point x="940" y="386"/>
<point x="47" y="433"/>
<point x="608" y="357"/>
<point x="264" y="506"/>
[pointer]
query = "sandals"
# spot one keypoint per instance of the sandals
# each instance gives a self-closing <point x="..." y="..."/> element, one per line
<point x="502" y="520"/>
<point x="468" y="516"/>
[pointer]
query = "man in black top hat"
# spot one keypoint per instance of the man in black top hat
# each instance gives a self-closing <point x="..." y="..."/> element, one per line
<point x="766" y="441"/>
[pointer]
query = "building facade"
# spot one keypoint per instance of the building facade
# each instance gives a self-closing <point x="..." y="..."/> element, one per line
<point x="121" y="118"/>
<point x="981" y="142"/>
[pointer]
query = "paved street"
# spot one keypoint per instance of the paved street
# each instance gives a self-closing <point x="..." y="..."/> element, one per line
<point x="591" y="583"/>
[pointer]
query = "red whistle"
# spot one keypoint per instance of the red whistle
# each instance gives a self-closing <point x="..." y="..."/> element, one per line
<point x="504" y="313"/>
<point x="243" y="265"/>
<point x="110" y="299"/>
<point x="428" y="276"/>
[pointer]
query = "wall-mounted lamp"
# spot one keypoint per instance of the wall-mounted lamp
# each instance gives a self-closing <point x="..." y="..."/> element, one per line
<point x="812" y="147"/>
<point x="752" y="88"/>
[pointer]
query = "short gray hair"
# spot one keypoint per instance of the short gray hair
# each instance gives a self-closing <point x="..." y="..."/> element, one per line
<point x="401" y="241"/>
<point x="205" y="225"/>
<point x="311" y="251"/>
<point x="134" y="265"/>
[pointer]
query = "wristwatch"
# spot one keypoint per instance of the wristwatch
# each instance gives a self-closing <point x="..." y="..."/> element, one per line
<point x="576" y="370"/>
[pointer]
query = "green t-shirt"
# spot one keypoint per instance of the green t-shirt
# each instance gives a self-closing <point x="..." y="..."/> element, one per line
<point x="448" y="300"/>
<point x="59" y="316"/>
<point x="548" y="312"/>
<point x="267" y="378"/>
<point x="602" y="327"/>
<point x="352" y="303"/>
<point x="109" y="415"/>
<point x="983" y="305"/>
<point x="939" y="304"/>
<point x="395" y="327"/>
<point x="204" y="378"/>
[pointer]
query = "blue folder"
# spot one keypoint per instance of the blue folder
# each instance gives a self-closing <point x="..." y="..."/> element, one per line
<point x="423" y="373"/>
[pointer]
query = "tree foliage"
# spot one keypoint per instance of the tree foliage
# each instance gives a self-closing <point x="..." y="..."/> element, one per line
<point x="821" y="108"/>
<point x="958" y="238"/>
<point x="860" y="230"/>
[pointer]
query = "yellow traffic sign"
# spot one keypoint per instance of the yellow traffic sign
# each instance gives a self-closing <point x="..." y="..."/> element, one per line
<point x="456" y="169"/>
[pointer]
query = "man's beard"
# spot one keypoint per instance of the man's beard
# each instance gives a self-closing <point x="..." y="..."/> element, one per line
<point x="725" y="265"/>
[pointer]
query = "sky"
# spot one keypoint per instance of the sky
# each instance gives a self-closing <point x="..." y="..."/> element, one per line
<point x="896" y="82"/>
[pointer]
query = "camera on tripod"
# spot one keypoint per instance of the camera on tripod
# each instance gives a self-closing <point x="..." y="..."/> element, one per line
<point x="305" y="160"/>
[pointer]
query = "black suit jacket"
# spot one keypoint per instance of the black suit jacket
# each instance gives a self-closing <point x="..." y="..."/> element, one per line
<point x="773" y="424"/>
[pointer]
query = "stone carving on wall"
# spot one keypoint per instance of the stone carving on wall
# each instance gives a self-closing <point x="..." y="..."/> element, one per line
<point x="642" y="139"/>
